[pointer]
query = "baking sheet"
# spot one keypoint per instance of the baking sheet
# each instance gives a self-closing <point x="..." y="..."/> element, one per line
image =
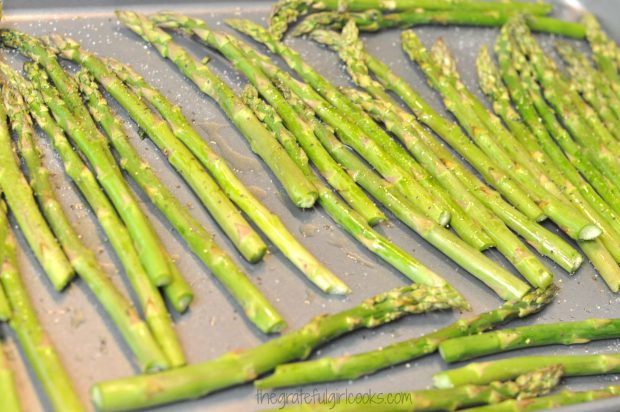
<point x="92" y="350"/>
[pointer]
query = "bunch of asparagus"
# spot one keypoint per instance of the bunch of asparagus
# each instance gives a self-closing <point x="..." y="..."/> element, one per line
<point x="374" y="15"/>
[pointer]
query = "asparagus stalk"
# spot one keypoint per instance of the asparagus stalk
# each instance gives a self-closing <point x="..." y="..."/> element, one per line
<point x="581" y="120"/>
<point x="463" y="225"/>
<point x="563" y="398"/>
<point x="33" y="339"/>
<point x="374" y="20"/>
<point x="9" y="398"/>
<point x="348" y="46"/>
<point x="504" y="283"/>
<point x="285" y="12"/>
<point x="353" y="126"/>
<point x="256" y="133"/>
<point x="20" y="198"/>
<point x="134" y="331"/>
<point x="255" y="305"/>
<point x="457" y="101"/>
<point x="509" y="58"/>
<point x="243" y="366"/>
<point x="590" y="79"/>
<point x="331" y="170"/>
<point x="143" y="235"/>
<point x="604" y="50"/>
<point x="331" y="93"/>
<point x="339" y="211"/>
<point x="526" y="386"/>
<point x="545" y="242"/>
<point x="485" y="372"/>
<point x="151" y="302"/>
<point x="562" y="333"/>
<point x="355" y="366"/>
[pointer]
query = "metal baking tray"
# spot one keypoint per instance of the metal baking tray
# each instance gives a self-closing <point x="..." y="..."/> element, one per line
<point x="91" y="349"/>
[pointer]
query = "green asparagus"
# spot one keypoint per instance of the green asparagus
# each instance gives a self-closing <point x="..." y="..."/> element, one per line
<point x="409" y="132"/>
<point x="564" y="333"/>
<point x="243" y="366"/>
<point x="135" y="332"/>
<point x="545" y="242"/>
<point x="257" y="134"/>
<point x="593" y="80"/>
<point x="466" y="227"/>
<point x="604" y="49"/>
<point x="340" y="212"/>
<point x="33" y="339"/>
<point x="151" y="302"/>
<point x="485" y="372"/>
<point x="470" y="259"/>
<point x="526" y="386"/>
<point x="478" y="122"/>
<point x="144" y="237"/>
<point x="21" y="200"/>
<point x="331" y="170"/>
<point x="374" y="20"/>
<point x="285" y="12"/>
<point x="580" y="119"/>
<point x="563" y="398"/>
<point x="354" y="126"/>
<point x="9" y="398"/>
<point x="510" y="58"/>
<point x="446" y="129"/>
<point x="361" y="364"/>
<point x="564" y="175"/>
<point x="255" y="305"/>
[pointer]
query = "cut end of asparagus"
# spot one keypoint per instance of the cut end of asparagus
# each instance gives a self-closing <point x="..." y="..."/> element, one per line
<point x="338" y="289"/>
<point x="442" y="381"/>
<point x="590" y="232"/>
<point x="444" y="218"/>
<point x="277" y="327"/>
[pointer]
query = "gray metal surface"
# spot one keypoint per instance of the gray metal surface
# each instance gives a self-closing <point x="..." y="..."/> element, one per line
<point x="90" y="347"/>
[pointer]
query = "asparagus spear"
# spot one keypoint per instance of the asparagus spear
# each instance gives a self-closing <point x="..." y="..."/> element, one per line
<point x="339" y="211"/>
<point x="563" y="333"/>
<point x="563" y="398"/>
<point x="9" y="398"/>
<point x="243" y="366"/>
<point x="571" y="221"/>
<point x="143" y="235"/>
<point x="604" y="49"/>
<point x="135" y="332"/>
<point x="484" y="372"/>
<point x="545" y="242"/>
<point x="526" y="386"/>
<point x="354" y="366"/>
<point x="510" y="57"/>
<point x="20" y="198"/>
<point x="362" y="120"/>
<point x="33" y="339"/>
<point x="256" y="133"/>
<point x="374" y="20"/>
<point x="285" y="12"/>
<point x="593" y="80"/>
<point x="151" y="302"/>
<point x="409" y="132"/>
<point x="584" y="124"/>
<point x="255" y="305"/>
<point x="331" y="170"/>
<point x="467" y="257"/>
<point x="469" y="230"/>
